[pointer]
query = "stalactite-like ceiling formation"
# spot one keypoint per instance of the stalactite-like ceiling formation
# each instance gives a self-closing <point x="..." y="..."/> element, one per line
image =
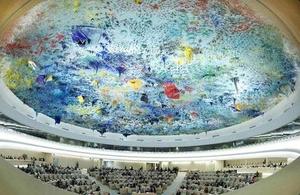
<point x="149" y="67"/>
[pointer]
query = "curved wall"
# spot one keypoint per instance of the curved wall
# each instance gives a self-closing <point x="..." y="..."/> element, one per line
<point x="15" y="182"/>
<point x="285" y="181"/>
<point x="289" y="148"/>
<point x="283" y="113"/>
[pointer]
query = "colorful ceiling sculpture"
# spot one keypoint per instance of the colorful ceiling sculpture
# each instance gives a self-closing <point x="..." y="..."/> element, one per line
<point x="148" y="67"/>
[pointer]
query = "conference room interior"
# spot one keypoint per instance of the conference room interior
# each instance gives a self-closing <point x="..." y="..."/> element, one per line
<point x="149" y="97"/>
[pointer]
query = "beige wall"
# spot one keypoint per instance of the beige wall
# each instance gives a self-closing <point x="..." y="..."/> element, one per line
<point x="257" y="161"/>
<point x="284" y="182"/>
<point x="122" y="165"/>
<point x="16" y="182"/>
<point x="18" y="153"/>
<point x="288" y="11"/>
<point x="88" y="163"/>
<point x="7" y="7"/>
<point x="71" y="161"/>
<point x="183" y="166"/>
<point x="50" y="158"/>
<point x="201" y="166"/>
<point x="130" y="164"/>
<point x="219" y="165"/>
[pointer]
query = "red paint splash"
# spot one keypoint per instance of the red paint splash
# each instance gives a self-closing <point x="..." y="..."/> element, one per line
<point x="171" y="91"/>
<point x="195" y="7"/>
<point x="202" y="4"/>
<point x="59" y="37"/>
<point x="194" y="114"/>
<point x="155" y="6"/>
<point x="40" y="45"/>
<point x="16" y="47"/>
<point x="242" y="27"/>
<point x="244" y="11"/>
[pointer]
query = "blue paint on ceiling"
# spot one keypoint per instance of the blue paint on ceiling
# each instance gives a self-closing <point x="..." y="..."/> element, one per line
<point x="155" y="68"/>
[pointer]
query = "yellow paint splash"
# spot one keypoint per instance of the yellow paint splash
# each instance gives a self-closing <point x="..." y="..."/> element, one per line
<point x="12" y="79"/>
<point x="188" y="53"/>
<point x="49" y="78"/>
<point x="19" y="75"/>
<point x="80" y="99"/>
<point x="103" y="73"/>
<point x="135" y="84"/>
<point x="114" y="103"/>
<point x="95" y="83"/>
<point x="98" y="111"/>
<point x="21" y="62"/>
<point x="84" y="110"/>
<point x="76" y="5"/>
<point x="139" y="2"/>
<point x="169" y="119"/>
<point x="240" y="106"/>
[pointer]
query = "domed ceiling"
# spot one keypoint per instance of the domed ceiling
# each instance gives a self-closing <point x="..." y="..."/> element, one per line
<point x="148" y="67"/>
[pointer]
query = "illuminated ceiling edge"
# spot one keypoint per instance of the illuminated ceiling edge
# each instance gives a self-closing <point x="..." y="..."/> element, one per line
<point x="280" y="115"/>
<point x="283" y="113"/>
<point x="289" y="148"/>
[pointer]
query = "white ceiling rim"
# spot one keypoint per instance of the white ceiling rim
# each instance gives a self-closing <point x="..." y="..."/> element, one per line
<point x="289" y="148"/>
<point x="283" y="113"/>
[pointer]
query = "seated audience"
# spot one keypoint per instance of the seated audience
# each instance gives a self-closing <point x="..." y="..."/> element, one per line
<point x="258" y="165"/>
<point x="67" y="178"/>
<point x="128" y="181"/>
<point x="23" y="157"/>
<point x="196" y="182"/>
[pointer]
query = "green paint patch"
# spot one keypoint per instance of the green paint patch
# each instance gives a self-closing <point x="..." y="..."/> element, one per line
<point x="19" y="75"/>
